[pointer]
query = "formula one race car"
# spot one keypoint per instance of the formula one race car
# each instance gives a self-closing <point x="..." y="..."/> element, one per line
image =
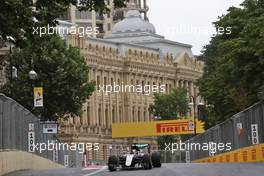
<point x="139" y="156"/>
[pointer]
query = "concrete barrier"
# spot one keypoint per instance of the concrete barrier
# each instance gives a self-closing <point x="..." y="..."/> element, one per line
<point x="11" y="161"/>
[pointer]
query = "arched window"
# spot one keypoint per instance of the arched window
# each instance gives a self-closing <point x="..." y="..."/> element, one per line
<point x="88" y="114"/>
<point x="133" y="113"/>
<point x="106" y="117"/>
<point x="99" y="115"/>
<point x="113" y="115"/>
<point x="139" y="115"/>
<point x="120" y="115"/>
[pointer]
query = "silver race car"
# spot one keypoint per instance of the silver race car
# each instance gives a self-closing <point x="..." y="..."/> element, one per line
<point x="139" y="156"/>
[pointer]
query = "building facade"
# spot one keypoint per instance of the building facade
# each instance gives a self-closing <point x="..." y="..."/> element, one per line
<point x="104" y="22"/>
<point x="133" y="54"/>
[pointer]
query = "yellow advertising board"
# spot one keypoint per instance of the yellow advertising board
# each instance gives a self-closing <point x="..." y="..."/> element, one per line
<point x="38" y="97"/>
<point x="156" y="128"/>
<point x="253" y="153"/>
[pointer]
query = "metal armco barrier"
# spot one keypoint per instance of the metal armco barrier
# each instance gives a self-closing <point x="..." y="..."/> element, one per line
<point x="242" y="130"/>
<point x="19" y="129"/>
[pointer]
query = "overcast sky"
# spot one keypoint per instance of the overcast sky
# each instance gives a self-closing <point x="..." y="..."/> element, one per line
<point x="188" y="21"/>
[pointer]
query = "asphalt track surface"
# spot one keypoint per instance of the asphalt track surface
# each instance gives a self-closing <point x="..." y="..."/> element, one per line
<point x="175" y="169"/>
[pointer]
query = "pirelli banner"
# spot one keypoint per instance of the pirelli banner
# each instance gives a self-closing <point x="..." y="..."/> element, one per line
<point x="156" y="128"/>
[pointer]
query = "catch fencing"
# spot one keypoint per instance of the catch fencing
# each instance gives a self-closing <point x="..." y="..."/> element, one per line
<point x="244" y="129"/>
<point x="19" y="127"/>
<point x="175" y="157"/>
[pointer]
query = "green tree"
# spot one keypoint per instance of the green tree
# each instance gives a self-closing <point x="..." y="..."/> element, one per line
<point x="62" y="72"/>
<point x="170" y="106"/>
<point x="18" y="17"/>
<point x="234" y="62"/>
<point x="261" y="93"/>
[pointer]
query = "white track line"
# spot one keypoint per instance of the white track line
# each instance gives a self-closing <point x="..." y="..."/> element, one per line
<point x="92" y="168"/>
<point x="95" y="172"/>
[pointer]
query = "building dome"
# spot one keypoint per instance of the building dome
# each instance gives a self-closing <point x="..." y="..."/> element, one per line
<point x="133" y="23"/>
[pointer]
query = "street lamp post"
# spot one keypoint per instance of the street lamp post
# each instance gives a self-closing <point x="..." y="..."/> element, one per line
<point x="32" y="76"/>
<point x="12" y="69"/>
<point x="193" y="103"/>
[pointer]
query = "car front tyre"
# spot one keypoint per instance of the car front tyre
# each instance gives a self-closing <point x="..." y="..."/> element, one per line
<point x="146" y="162"/>
<point x="112" y="163"/>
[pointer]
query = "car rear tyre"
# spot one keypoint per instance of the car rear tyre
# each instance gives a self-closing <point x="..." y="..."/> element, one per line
<point x="156" y="159"/>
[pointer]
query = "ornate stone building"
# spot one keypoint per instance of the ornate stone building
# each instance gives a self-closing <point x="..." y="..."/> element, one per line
<point x="104" y="22"/>
<point x="132" y="55"/>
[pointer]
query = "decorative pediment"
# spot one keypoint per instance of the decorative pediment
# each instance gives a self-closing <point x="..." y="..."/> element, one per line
<point x="184" y="60"/>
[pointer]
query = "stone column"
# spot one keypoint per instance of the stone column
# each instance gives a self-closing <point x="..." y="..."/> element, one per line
<point x="109" y="107"/>
<point x="103" y="98"/>
<point x="72" y="13"/>
<point x="192" y="88"/>
<point x="93" y="21"/>
<point x="176" y="83"/>
<point x="84" y="116"/>
<point x="93" y="106"/>
<point x="117" y="102"/>
<point x="145" y="7"/>
<point x="96" y="104"/>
